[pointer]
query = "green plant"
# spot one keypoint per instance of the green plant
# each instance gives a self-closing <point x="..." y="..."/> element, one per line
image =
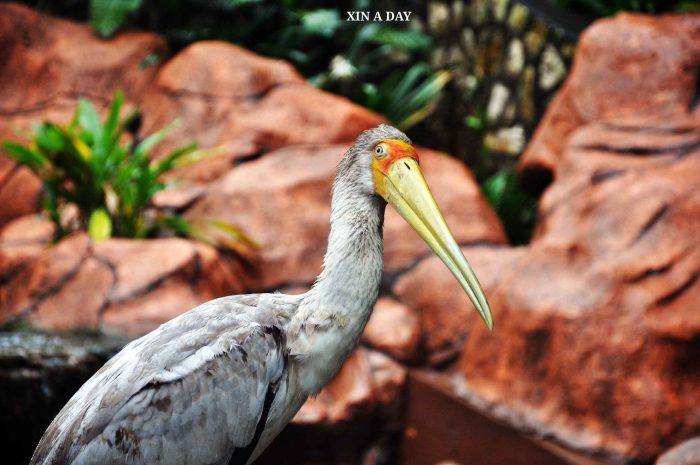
<point x="97" y="178"/>
<point x="516" y="208"/>
<point x="406" y="97"/>
<point x="349" y="58"/>
<point x="363" y="61"/>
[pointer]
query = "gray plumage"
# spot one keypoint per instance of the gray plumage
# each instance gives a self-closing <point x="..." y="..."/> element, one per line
<point x="218" y="383"/>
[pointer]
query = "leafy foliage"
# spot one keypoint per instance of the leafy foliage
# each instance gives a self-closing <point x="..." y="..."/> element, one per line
<point x="359" y="60"/>
<point x="516" y="208"/>
<point x="106" y="16"/>
<point x="406" y="97"/>
<point x="94" y="180"/>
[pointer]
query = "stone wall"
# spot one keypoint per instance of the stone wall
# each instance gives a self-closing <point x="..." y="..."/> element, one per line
<point x="507" y="63"/>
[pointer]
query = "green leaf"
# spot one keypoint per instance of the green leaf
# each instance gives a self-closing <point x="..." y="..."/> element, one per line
<point x="106" y="16"/>
<point x="100" y="225"/>
<point x="89" y="119"/>
<point x="114" y="110"/>
<point x="321" y="22"/>
<point x="167" y="163"/>
<point x="33" y="159"/>
<point x="409" y="40"/>
<point x="51" y="138"/>
<point x="234" y="232"/>
<point x="429" y="90"/>
<point x="475" y="122"/>
<point x="147" y="144"/>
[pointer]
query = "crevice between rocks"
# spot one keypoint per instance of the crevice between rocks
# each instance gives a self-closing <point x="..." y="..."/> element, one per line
<point x="106" y="302"/>
<point x="51" y="101"/>
<point x="695" y="99"/>
<point x="39" y="297"/>
<point x="390" y="278"/>
<point x="678" y="150"/>
<point x="8" y="176"/>
<point x="652" y="221"/>
<point x="647" y="129"/>
<point x="677" y="292"/>
<point x="184" y="93"/>
<point x="600" y="176"/>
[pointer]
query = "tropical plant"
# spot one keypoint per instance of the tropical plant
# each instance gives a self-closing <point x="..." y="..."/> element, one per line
<point x="406" y="97"/>
<point x="98" y="176"/>
<point x="516" y="208"/>
<point x="350" y="58"/>
<point x="364" y="61"/>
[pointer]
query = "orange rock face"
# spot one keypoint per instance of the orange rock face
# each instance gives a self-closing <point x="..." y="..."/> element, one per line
<point x="124" y="286"/>
<point x="394" y="328"/>
<point x="624" y="67"/>
<point x="227" y="97"/>
<point x="596" y="322"/>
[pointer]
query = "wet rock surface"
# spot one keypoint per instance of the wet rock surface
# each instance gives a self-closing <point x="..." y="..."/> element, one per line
<point x="625" y="66"/>
<point x="596" y="335"/>
<point x="38" y="374"/>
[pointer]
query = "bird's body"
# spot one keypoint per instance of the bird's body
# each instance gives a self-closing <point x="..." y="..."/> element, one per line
<point x="218" y="383"/>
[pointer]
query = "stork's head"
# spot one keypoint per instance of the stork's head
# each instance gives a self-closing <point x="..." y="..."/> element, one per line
<point x="397" y="178"/>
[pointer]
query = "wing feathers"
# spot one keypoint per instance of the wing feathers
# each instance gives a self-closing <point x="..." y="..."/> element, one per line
<point x="196" y="391"/>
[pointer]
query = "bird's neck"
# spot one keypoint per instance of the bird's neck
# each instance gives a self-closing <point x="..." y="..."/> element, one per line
<point x="334" y="312"/>
<point x="354" y="260"/>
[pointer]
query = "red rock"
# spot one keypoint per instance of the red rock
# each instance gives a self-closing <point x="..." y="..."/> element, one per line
<point x="79" y="300"/>
<point x="142" y="313"/>
<point x="367" y="382"/>
<point x="395" y="329"/>
<point x="64" y="58"/>
<point x="26" y="235"/>
<point x="19" y="191"/>
<point x="139" y="265"/>
<point x="596" y="323"/>
<point x="119" y="285"/>
<point x="623" y="66"/>
<point x="447" y="316"/>
<point x="225" y="96"/>
<point x="297" y="181"/>
<point x="39" y="273"/>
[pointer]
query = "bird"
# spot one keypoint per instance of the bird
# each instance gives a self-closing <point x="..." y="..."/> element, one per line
<point x="218" y="383"/>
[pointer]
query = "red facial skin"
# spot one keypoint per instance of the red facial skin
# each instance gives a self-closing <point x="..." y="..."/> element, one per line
<point x="395" y="149"/>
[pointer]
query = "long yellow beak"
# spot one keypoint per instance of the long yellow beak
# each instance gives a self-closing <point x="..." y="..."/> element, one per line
<point x="404" y="187"/>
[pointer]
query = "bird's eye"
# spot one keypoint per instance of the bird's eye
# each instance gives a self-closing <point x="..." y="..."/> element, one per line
<point x="379" y="151"/>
